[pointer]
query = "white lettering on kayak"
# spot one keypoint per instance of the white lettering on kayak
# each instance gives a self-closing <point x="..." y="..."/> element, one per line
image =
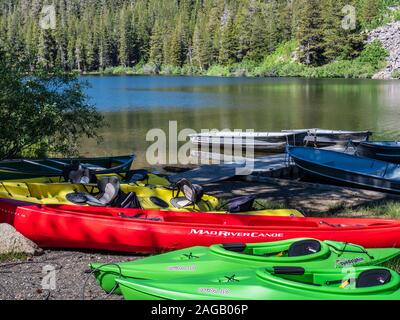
<point x="203" y="232"/>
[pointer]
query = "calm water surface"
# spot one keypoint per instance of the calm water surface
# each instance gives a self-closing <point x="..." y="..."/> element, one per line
<point x="135" y="104"/>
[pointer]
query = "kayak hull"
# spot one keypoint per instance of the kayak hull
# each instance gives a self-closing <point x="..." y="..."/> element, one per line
<point x="272" y="142"/>
<point x="262" y="284"/>
<point x="385" y="151"/>
<point x="199" y="261"/>
<point x="325" y="138"/>
<point x="154" y="231"/>
<point x="345" y="169"/>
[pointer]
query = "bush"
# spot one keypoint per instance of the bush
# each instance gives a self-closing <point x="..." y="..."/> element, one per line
<point x="218" y="71"/>
<point x="373" y="53"/>
<point x="396" y="74"/>
<point x="42" y="111"/>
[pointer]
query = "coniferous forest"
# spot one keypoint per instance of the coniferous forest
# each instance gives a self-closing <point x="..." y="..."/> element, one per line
<point x="265" y="37"/>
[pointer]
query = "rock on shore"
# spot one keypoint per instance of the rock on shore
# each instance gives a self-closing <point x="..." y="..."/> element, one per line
<point x="389" y="36"/>
<point x="12" y="242"/>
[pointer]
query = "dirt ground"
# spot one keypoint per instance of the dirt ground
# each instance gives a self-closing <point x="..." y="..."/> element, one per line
<point x="23" y="280"/>
<point x="311" y="198"/>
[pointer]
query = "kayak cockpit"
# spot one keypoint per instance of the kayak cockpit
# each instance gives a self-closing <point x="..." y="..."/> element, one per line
<point x="293" y="250"/>
<point x="357" y="281"/>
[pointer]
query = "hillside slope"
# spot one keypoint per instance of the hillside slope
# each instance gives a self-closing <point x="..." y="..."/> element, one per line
<point x="389" y="36"/>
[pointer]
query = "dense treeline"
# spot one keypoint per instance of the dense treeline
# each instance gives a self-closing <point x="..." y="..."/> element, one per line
<point x="95" y="35"/>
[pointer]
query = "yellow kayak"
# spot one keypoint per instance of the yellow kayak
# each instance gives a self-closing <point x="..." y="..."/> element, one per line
<point x="148" y="197"/>
<point x="148" y="179"/>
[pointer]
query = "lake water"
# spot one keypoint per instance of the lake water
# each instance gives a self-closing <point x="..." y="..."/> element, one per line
<point x="135" y="104"/>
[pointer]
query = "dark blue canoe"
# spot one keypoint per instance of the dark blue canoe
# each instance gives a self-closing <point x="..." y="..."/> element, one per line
<point x="382" y="150"/>
<point x="350" y="170"/>
<point x="26" y="168"/>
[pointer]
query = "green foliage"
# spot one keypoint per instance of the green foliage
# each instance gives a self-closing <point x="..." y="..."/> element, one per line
<point x="311" y="33"/>
<point x="13" y="257"/>
<point x="41" y="111"/>
<point x="190" y="36"/>
<point x="261" y="204"/>
<point x="396" y="74"/>
<point x="373" y="53"/>
<point x="378" y="13"/>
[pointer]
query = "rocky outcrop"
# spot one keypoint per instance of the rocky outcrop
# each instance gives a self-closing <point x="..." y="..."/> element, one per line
<point x="12" y="242"/>
<point x="389" y="36"/>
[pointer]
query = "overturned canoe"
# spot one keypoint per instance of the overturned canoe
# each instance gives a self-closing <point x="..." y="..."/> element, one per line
<point x="276" y="283"/>
<point x="25" y="169"/>
<point x="155" y="231"/>
<point x="381" y="150"/>
<point x="198" y="261"/>
<point x="260" y="141"/>
<point x="325" y="138"/>
<point x="341" y="168"/>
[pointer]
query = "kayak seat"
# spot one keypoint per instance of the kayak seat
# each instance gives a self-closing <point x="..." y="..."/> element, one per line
<point x="109" y="189"/>
<point x="180" y="202"/>
<point x="373" y="278"/>
<point x="240" y="204"/>
<point x="76" y="173"/>
<point x="193" y="194"/>
<point x="127" y="200"/>
<point x="304" y="248"/>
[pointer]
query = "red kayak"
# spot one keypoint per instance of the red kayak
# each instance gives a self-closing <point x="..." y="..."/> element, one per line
<point x="147" y="231"/>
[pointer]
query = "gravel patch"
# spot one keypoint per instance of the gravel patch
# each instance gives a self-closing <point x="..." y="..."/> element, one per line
<point x="23" y="280"/>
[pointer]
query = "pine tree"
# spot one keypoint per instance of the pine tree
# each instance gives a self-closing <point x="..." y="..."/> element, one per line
<point x="369" y="10"/>
<point x="156" y="45"/>
<point x="176" y="55"/>
<point x="244" y="21"/>
<point x="229" y="46"/>
<point x="333" y="35"/>
<point x="310" y="33"/>
<point x="124" y="31"/>
<point x="98" y="34"/>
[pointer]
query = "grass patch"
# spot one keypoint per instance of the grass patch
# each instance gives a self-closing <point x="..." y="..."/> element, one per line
<point x="12" y="257"/>
<point x="385" y="209"/>
<point x="393" y="264"/>
<point x="396" y="74"/>
<point x="269" y="205"/>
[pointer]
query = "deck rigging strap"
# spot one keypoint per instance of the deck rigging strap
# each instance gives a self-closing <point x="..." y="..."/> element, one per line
<point x="5" y="188"/>
<point x="342" y="251"/>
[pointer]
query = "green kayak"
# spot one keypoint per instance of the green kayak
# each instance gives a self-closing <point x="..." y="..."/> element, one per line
<point x="277" y="283"/>
<point x="199" y="261"/>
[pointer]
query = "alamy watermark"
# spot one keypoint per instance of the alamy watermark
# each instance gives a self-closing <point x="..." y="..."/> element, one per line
<point x="350" y="19"/>
<point x="48" y="20"/>
<point x="49" y="280"/>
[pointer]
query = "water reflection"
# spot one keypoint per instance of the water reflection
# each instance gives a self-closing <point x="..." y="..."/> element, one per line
<point x="134" y="105"/>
